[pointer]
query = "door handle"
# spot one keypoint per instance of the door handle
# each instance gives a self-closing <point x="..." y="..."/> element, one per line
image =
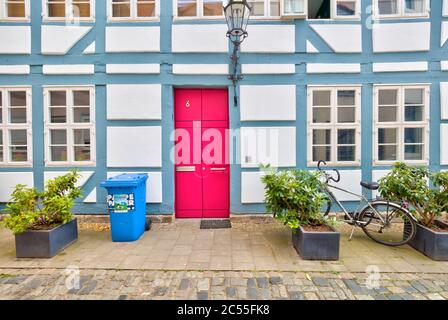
<point x="218" y="169"/>
<point x="185" y="169"/>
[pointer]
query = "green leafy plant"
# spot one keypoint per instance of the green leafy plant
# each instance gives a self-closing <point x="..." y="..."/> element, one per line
<point x="411" y="184"/>
<point x="31" y="209"/>
<point x="296" y="198"/>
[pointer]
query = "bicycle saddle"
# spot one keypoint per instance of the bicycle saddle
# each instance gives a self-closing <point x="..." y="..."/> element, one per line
<point x="370" y="185"/>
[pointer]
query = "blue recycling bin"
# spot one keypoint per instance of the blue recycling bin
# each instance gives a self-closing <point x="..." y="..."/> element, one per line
<point x="126" y="200"/>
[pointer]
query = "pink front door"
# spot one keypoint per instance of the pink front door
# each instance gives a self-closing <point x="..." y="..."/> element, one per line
<point x="201" y="153"/>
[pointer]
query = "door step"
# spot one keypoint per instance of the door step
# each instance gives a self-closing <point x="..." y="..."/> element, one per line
<point x="215" y="224"/>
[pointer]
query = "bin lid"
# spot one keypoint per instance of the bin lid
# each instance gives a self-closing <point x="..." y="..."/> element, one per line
<point x="125" y="180"/>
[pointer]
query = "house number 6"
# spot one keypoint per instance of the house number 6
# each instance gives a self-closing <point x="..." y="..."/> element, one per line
<point x="187" y="104"/>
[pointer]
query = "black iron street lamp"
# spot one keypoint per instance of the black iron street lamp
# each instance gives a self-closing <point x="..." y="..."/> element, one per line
<point x="237" y="13"/>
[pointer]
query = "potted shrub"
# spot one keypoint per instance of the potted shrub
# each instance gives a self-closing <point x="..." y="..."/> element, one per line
<point x="426" y="193"/>
<point x="296" y="199"/>
<point x="42" y="222"/>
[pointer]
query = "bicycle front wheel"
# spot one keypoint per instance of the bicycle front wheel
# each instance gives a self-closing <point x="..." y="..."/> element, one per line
<point x="387" y="223"/>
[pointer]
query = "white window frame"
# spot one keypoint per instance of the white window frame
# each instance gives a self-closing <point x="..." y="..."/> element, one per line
<point x="69" y="126"/>
<point x="5" y="126"/>
<point x="4" y="10"/>
<point x="68" y="12"/>
<point x="401" y="14"/>
<point x="334" y="125"/>
<point x="133" y="13"/>
<point x="400" y="124"/>
<point x="199" y="12"/>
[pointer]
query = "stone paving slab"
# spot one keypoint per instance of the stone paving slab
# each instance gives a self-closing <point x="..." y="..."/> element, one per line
<point x="220" y="285"/>
<point x="252" y="246"/>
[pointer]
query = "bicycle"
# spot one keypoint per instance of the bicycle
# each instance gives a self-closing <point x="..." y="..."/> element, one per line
<point x="388" y="223"/>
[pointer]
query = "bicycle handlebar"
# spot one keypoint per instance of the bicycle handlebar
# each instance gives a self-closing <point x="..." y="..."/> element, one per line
<point x="327" y="175"/>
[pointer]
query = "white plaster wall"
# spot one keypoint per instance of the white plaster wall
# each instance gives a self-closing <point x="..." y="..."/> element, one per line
<point x="268" y="68"/>
<point x="199" y="38"/>
<point x="132" y="39"/>
<point x="153" y="185"/>
<point x="200" y="68"/>
<point x="268" y="145"/>
<point x="270" y="39"/>
<point x="252" y="189"/>
<point x="444" y="144"/>
<point x="401" y="37"/>
<point x="85" y="176"/>
<point x="444" y="100"/>
<point x="58" y="40"/>
<point x="134" y="146"/>
<point x="8" y="181"/>
<point x="15" y="40"/>
<point x="333" y="68"/>
<point x="150" y="68"/>
<point x="342" y="38"/>
<point x="134" y="102"/>
<point x="350" y="180"/>
<point x="270" y="103"/>
<point x="400" y="66"/>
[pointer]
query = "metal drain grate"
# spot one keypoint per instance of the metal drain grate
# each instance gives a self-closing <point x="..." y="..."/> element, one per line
<point x="216" y="224"/>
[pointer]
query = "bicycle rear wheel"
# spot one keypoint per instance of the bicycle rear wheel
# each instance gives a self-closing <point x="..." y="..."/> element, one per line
<point x="387" y="223"/>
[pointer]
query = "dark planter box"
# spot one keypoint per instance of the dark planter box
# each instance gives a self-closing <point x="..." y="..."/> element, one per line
<point x="316" y="245"/>
<point x="431" y="243"/>
<point x="46" y="243"/>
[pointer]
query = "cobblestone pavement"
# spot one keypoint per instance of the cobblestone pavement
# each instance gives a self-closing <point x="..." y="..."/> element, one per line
<point x="121" y="285"/>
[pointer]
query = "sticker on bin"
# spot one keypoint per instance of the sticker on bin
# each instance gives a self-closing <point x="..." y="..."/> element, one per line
<point x="121" y="203"/>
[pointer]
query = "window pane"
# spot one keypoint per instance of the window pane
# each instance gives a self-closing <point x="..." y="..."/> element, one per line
<point x="346" y="8"/>
<point x="58" y="136"/>
<point x="18" y="137"/>
<point x="388" y="97"/>
<point x="387" y="6"/>
<point x="58" y="98"/>
<point x="58" y="153"/>
<point x="322" y="136"/>
<point x="19" y="154"/>
<point x="81" y="9"/>
<point x="387" y="153"/>
<point x="321" y="153"/>
<point x="321" y="115"/>
<point x="321" y="98"/>
<point x="413" y="96"/>
<point x="58" y="115"/>
<point x="346" y="115"/>
<point x="16" y="9"/>
<point x="17" y="115"/>
<point x="346" y="98"/>
<point x="146" y="8"/>
<point x="346" y="136"/>
<point x="82" y="153"/>
<point x="56" y="8"/>
<point x="413" y="152"/>
<point x="213" y="8"/>
<point x="346" y="153"/>
<point x="387" y="135"/>
<point x="415" y="6"/>
<point x="413" y="113"/>
<point x="121" y="8"/>
<point x="413" y="135"/>
<point x="81" y="115"/>
<point x="17" y="98"/>
<point x="257" y="8"/>
<point x="82" y="136"/>
<point x="275" y="8"/>
<point x="387" y="114"/>
<point x="81" y="98"/>
<point x="186" y="8"/>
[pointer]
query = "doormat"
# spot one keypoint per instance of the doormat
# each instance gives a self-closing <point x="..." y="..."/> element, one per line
<point x="216" y="224"/>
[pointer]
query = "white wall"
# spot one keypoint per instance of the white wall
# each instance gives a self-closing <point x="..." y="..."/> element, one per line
<point x="252" y="189"/>
<point x="10" y="179"/>
<point x="15" y="40"/>
<point x="134" y="102"/>
<point x="58" y="40"/>
<point x="342" y="38"/>
<point x="199" y="38"/>
<point x="153" y="185"/>
<point x="270" y="103"/>
<point x="134" y="146"/>
<point x="401" y="37"/>
<point x="268" y="145"/>
<point x="132" y="39"/>
<point x="270" y="39"/>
